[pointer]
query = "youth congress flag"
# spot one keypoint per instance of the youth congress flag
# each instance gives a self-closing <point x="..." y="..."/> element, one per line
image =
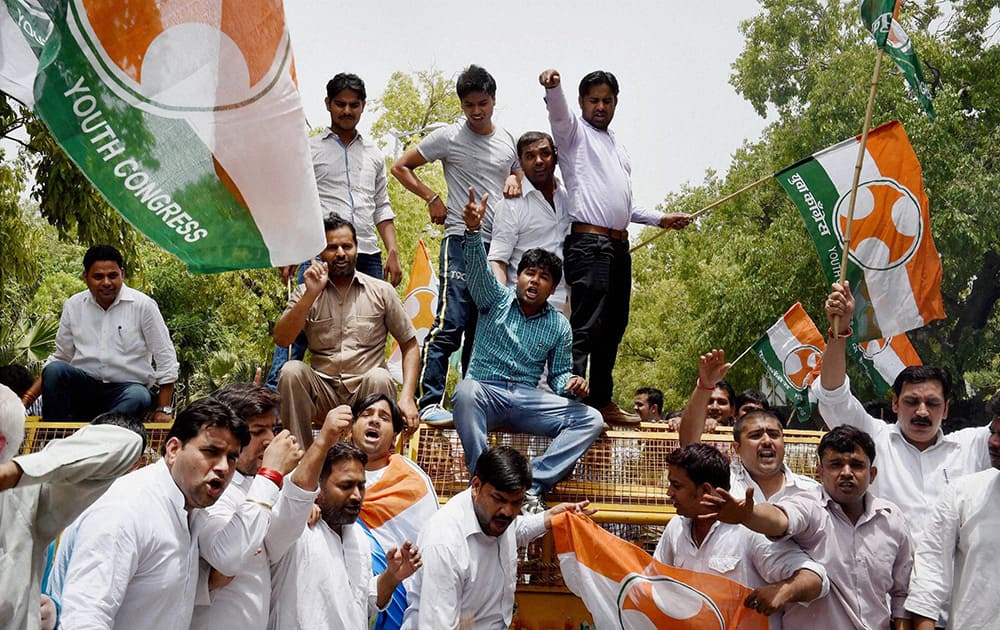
<point x="792" y="353"/>
<point x="879" y="17"/>
<point x="184" y="114"/>
<point x="883" y="359"/>
<point x="625" y="589"/>
<point x="896" y="271"/>
<point x="420" y="304"/>
<point x="395" y="508"/>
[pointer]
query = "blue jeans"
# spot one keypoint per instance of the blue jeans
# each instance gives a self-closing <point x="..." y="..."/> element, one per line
<point x="481" y="406"/>
<point x="456" y="315"/>
<point x="370" y="264"/>
<point x="71" y="393"/>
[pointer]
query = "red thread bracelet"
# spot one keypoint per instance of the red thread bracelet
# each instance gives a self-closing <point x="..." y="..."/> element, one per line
<point x="700" y="386"/>
<point x="273" y="475"/>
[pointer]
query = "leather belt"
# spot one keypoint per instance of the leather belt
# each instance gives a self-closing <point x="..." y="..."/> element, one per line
<point x="586" y="228"/>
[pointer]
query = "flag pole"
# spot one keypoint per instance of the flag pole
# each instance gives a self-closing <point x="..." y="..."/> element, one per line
<point x="866" y="127"/>
<point x="697" y="214"/>
<point x="742" y="354"/>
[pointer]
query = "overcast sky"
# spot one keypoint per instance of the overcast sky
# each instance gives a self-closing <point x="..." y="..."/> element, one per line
<point x="677" y="114"/>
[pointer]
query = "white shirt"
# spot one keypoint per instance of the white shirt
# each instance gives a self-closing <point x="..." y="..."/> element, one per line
<point x="244" y="545"/>
<point x="134" y="561"/>
<point x="324" y="581"/>
<point x="910" y="478"/>
<point x="116" y="345"/>
<point x="529" y="222"/>
<point x="868" y="562"/>
<point x="957" y="565"/>
<point x="468" y="578"/>
<point x="740" y="480"/>
<point x="352" y="184"/>
<point x="735" y="553"/>
<point x="597" y="169"/>
<point x="57" y="483"/>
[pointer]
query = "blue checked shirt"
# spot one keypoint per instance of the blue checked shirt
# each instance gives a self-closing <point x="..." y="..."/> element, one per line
<point x="510" y="346"/>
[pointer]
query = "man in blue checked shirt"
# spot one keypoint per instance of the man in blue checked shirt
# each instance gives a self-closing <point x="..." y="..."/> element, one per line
<point x="519" y="334"/>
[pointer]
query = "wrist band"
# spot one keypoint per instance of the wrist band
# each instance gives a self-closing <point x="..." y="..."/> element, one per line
<point x="841" y="335"/>
<point x="700" y="386"/>
<point x="433" y="199"/>
<point x="272" y="475"/>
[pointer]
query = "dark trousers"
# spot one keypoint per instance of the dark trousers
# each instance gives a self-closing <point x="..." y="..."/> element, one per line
<point x="370" y="264"/>
<point x="599" y="273"/>
<point x="69" y="393"/>
<point x="456" y="314"/>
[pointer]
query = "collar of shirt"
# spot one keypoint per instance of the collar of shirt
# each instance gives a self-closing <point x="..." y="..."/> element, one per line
<point x="740" y="473"/>
<point x="126" y="294"/>
<point x="469" y="523"/>
<point x="689" y="524"/>
<point x="171" y="492"/>
<point x="329" y="133"/>
<point x="515" y="305"/>
<point x="527" y="188"/>
<point x="873" y="507"/>
<point x="241" y="481"/>
<point x="895" y="433"/>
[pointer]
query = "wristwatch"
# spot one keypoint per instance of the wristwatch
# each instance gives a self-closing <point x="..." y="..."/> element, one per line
<point x="167" y="409"/>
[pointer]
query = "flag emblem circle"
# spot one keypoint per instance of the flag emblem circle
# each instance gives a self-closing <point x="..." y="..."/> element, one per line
<point x="649" y="602"/>
<point x="888" y="224"/>
<point x="420" y="305"/>
<point x="799" y="363"/>
<point x="875" y="347"/>
<point x="184" y="56"/>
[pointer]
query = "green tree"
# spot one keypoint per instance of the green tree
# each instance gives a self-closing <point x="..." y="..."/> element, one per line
<point x="809" y="63"/>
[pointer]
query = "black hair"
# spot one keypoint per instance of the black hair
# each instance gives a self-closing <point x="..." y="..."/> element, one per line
<point x="332" y="222"/>
<point x="993" y="406"/>
<point x="124" y="421"/>
<point x="248" y="399"/>
<point x="206" y="412"/>
<point x="751" y="396"/>
<point x="102" y="252"/>
<point x="542" y="259"/>
<point x="703" y="463"/>
<point x="341" y="451"/>
<point x="653" y="396"/>
<point x="504" y="468"/>
<point x="475" y="79"/>
<point x="371" y="399"/>
<point x="730" y="392"/>
<point x="922" y="374"/>
<point x="752" y="415"/>
<point x="531" y="137"/>
<point x="17" y="378"/>
<point x="844" y="439"/>
<point x="346" y="81"/>
<point x="598" y="77"/>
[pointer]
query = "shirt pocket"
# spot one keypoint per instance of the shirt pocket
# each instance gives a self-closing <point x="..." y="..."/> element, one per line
<point x="366" y="327"/>
<point x="323" y="334"/>
<point x="128" y="339"/>
<point x="723" y="564"/>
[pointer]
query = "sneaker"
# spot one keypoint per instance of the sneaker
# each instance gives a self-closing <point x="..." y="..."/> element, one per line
<point x="533" y="503"/>
<point x="613" y="414"/>
<point x="436" y="416"/>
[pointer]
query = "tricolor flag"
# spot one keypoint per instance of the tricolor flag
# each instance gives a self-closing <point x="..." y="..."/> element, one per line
<point x="896" y="270"/>
<point x="420" y="304"/>
<point x="394" y="510"/>
<point x="883" y="359"/>
<point x="184" y="114"/>
<point x="625" y="589"/>
<point x="792" y="353"/>
<point x="879" y="17"/>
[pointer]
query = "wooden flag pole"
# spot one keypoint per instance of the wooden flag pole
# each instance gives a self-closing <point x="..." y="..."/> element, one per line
<point x="742" y="354"/>
<point x="697" y="214"/>
<point x="866" y="127"/>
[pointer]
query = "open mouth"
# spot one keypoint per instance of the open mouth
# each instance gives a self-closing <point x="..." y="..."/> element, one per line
<point x="846" y="486"/>
<point x="215" y="488"/>
<point x="766" y="453"/>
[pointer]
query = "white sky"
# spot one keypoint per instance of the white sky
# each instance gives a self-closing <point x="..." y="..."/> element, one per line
<point x="677" y="114"/>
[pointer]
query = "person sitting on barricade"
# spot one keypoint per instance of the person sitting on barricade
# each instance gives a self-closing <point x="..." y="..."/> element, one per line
<point x="519" y="334"/>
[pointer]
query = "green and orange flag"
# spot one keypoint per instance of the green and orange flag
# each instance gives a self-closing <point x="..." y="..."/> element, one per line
<point x="879" y="17"/>
<point x="184" y="114"/>
<point x="895" y="270"/>
<point x="792" y="353"/>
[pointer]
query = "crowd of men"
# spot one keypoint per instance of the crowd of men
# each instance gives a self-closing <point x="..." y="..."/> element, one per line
<point x="317" y="523"/>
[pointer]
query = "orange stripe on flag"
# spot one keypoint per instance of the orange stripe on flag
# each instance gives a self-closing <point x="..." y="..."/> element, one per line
<point x="397" y="490"/>
<point x="623" y="587"/>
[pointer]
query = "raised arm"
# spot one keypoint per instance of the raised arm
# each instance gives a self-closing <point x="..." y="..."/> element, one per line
<point x="712" y="368"/>
<point x="839" y="305"/>
<point x="293" y="320"/>
<point x="483" y="286"/>
<point x="563" y="123"/>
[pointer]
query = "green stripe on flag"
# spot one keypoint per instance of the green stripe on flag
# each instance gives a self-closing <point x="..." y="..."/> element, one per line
<point x="773" y="365"/>
<point x="868" y="367"/>
<point x="876" y="15"/>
